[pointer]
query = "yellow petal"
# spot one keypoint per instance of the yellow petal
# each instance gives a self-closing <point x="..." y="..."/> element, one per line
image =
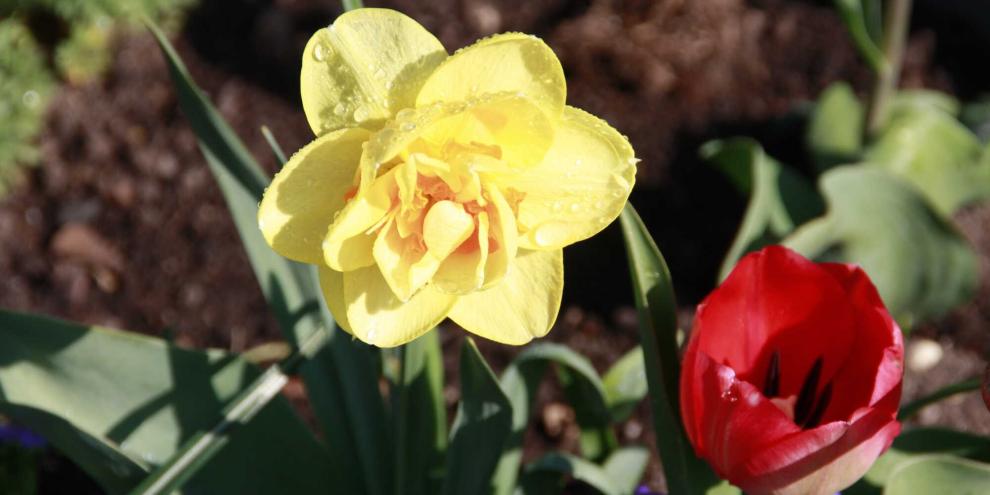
<point x="348" y="244"/>
<point x="522" y="131"/>
<point x="445" y="227"/>
<point x="505" y="233"/>
<point x="463" y="272"/>
<point x="379" y="318"/>
<point x="522" y="306"/>
<point x="511" y="62"/>
<point x="405" y="266"/>
<point x="581" y="186"/>
<point x="301" y="201"/>
<point x="332" y="285"/>
<point x="369" y="64"/>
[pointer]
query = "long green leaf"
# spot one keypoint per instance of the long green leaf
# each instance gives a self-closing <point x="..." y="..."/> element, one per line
<point x="855" y="15"/>
<point x="341" y="379"/>
<point x="835" y="132"/>
<point x="916" y="442"/>
<point x="625" y="384"/>
<point x="915" y="406"/>
<point x="654" y="296"/>
<point x="420" y="418"/>
<point x="481" y="427"/>
<point x="138" y="399"/>
<point x="945" y="475"/>
<point x="919" y="262"/>
<point x="547" y="475"/>
<point x="780" y="199"/>
<point x="625" y="467"/>
<point x="585" y="392"/>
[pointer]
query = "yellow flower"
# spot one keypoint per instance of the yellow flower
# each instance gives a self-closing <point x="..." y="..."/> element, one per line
<point x="441" y="186"/>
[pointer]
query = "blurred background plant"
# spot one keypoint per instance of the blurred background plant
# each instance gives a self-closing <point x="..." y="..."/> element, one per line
<point x="44" y="41"/>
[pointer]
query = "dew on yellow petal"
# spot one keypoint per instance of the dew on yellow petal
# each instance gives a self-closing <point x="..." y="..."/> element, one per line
<point x="579" y="188"/>
<point x="367" y="65"/>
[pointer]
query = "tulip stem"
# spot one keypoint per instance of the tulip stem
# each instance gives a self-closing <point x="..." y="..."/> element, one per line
<point x="914" y="407"/>
<point x="895" y="28"/>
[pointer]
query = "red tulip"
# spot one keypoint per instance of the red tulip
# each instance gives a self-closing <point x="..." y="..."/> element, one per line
<point x="792" y="375"/>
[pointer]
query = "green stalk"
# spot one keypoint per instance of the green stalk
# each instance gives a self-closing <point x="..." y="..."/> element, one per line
<point x="200" y="449"/>
<point x="895" y="29"/>
<point x="400" y="418"/>
<point x="351" y="4"/>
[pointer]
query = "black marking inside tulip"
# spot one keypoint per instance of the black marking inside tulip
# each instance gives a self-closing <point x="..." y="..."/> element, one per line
<point x="771" y="386"/>
<point x="810" y="406"/>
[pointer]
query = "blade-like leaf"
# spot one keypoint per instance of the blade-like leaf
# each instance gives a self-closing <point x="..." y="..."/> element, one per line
<point x="584" y="390"/>
<point x="937" y="154"/>
<point x="420" y="418"/>
<point x="653" y="293"/>
<point x="139" y="398"/>
<point x="920" y="264"/>
<point x="780" y="199"/>
<point x="855" y="15"/>
<point x="342" y="379"/>
<point x="625" y="384"/>
<point x="835" y="132"/>
<point x="625" y="468"/>
<point x="481" y="427"/>
<point x="910" y="409"/>
<point x="945" y="475"/>
<point x="551" y="470"/>
<point x="917" y="442"/>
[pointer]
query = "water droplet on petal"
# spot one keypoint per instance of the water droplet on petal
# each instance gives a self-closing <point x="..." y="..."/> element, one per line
<point x="380" y="74"/>
<point x="407" y="126"/>
<point x="320" y="52"/>
<point x="556" y="206"/>
<point x="361" y="114"/>
<point x="575" y="208"/>
<point x="339" y="110"/>
<point x="577" y="163"/>
<point x="404" y="114"/>
<point x="730" y="395"/>
<point x="599" y="204"/>
<point x="389" y="85"/>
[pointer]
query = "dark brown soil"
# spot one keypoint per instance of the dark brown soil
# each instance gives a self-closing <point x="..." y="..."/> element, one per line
<point x="123" y="226"/>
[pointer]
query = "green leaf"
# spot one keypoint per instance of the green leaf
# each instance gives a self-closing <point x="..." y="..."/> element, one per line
<point x="913" y="443"/>
<point x="137" y="399"/>
<point x="835" y="132"/>
<point x="944" y="475"/>
<point x="908" y="101"/>
<point x="342" y="379"/>
<point x="625" y="467"/>
<point x="625" y="384"/>
<point x="910" y="409"/>
<point x="420" y="418"/>
<point x="780" y="199"/>
<point x="481" y="427"/>
<point x="936" y="153"/>
<point x="552" y="470"/>
<point x="855" y="15"/>
<point x="654" y="296"/>
<point x="102" y="459"/>
<point x="584" y="390"/>
<point x="920" y="264"/>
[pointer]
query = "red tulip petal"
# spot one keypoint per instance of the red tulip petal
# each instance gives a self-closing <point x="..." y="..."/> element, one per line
<point x="735" y="422"/>
<point x="776" y="300"/>
<point x="877" y="352"/>
<point x="822" y="460"/>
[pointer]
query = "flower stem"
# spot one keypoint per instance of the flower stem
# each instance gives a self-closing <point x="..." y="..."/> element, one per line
<point x="895" y="29"/>
<point x="351" y="4"/>
<point x="913" y="407"/>
<point x="399" y="408"/>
